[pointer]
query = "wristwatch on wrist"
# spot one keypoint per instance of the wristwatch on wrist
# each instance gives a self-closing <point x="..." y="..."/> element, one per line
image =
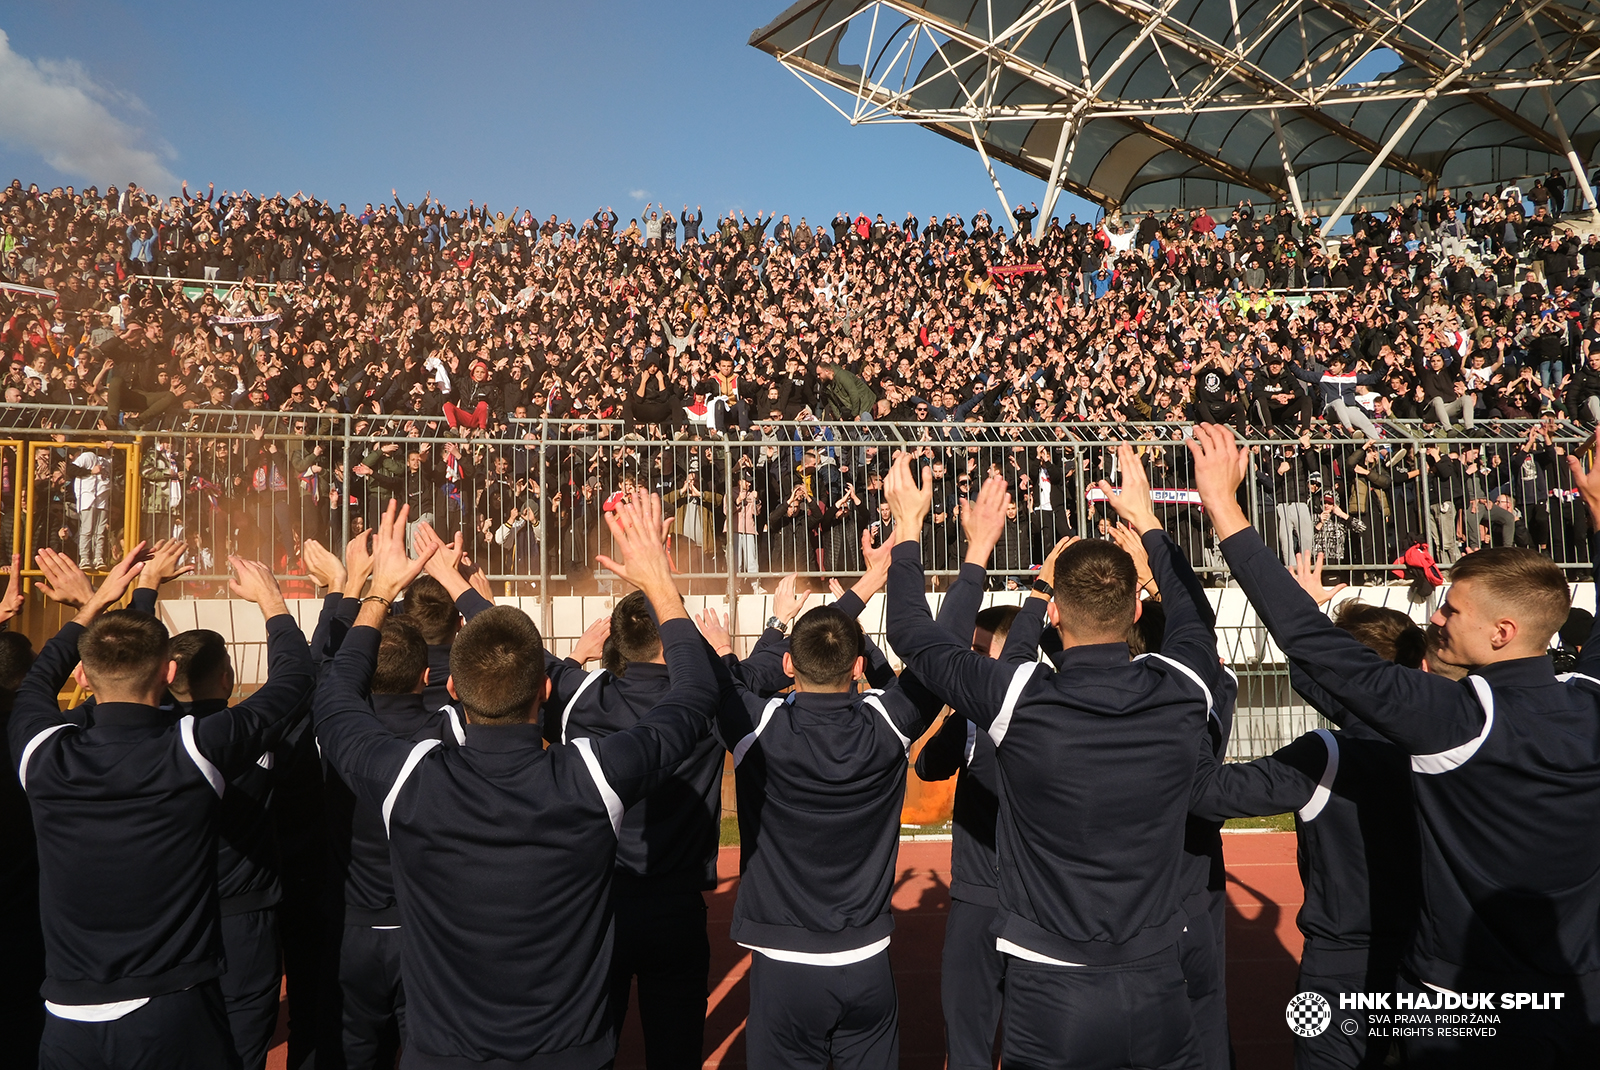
<point x="781" y="625"/>
<point x="1044" y="588"/>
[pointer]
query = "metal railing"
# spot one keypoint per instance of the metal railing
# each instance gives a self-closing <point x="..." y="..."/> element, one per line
<point x="784" y="497"/>
<point x="530" y="500"/>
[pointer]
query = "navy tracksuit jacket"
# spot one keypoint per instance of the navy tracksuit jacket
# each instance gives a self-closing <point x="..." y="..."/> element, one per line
<point x="503" y="857"/>
<point x="1506" y="766"/>
<point x="126" y="811"/>
<point x="1093" y="741"/>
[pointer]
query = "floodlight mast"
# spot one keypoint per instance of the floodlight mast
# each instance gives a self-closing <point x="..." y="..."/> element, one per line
<point x="1271" y="98"/>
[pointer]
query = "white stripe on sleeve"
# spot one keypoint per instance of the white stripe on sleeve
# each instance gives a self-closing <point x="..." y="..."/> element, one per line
<point x="1456" y="757"/>
<point x="741" y="748"/>
<point x="1211" y="705"/>
<point x="566" y="713"/>
<point x="877" y="704"/>
<point x="212" y="774"/>
<point x="33" y="745"/>
<point x="1002" y="720"/>
<point x="608" y="794"/>
<point x="410" y="765"/>
<point x="1324" y="789"/>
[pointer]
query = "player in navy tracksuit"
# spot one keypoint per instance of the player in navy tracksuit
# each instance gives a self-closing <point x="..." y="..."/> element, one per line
<point x="248" y="881"/>
<point x="363" y="1008"/>
<point x="21" y="943"/>
<point x="971" y="971"/>
<point x="1203" y="949"/>
<point x="362" y="1012"/>
<point x="503" y="851"/>
<point x="126" y="812"/>
<point x="667" y="848"/>
<point x="821" y="781"/>
<point x="1350" y="791"/>
<point x="1503" y="766"/>
<point x="1098" y="757"/>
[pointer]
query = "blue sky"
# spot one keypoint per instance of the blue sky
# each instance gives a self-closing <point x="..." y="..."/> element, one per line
<point x="557" y="107"/>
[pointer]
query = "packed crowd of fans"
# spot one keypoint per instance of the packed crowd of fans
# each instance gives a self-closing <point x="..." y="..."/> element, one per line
<point x="770" y="352"/>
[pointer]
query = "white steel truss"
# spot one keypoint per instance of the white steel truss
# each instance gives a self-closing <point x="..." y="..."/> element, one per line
<point x="969" y="69"/>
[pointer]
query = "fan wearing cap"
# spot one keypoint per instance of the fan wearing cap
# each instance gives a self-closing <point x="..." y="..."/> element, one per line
<point x="1276" y="397"/>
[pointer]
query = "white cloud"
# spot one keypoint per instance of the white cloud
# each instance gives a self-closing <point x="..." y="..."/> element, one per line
<point x="638" y="194"/>
<point x="53" y="108"/>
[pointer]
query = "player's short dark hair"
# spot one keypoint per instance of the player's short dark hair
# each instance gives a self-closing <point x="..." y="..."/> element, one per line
<point x="634" y="634"/>
<point x="1526" y="583"/>
<point x="824" y="647"/>
<point x="402" y="658"/>
<point x="124" y="647"/>
<point x="202" y="657"/>
<point x="1097" y="589"/>
<point x="497" y="665"/>
<point x="430" y="607"/>
<point x="16" y="658"/>
<point x="996" y="620"/>
<point x="1390" y="634"/>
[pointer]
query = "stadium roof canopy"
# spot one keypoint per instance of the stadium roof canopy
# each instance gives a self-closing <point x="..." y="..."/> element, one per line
<point x="1153" y="103"/>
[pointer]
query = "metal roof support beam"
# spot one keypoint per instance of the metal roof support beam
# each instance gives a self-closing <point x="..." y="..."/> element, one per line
<point x="1425" y="62"/>
<point x="1561" y="133"/>
<point x="983" y="154"/>
<point x="1222" y="167"/>
<point x="1288" y="168"/>
<point x="1212" y="52"/>
<point x="1377" y="161"/>
<point x="1566" y="145"/>
<point x="1052" y="189"/>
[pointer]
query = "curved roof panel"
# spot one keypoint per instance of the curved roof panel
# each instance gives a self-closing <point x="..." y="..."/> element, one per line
<point x="1183" y="101"/>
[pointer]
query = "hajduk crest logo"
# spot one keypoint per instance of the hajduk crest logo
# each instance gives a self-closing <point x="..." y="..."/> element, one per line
<point x="1308" y="1014"/>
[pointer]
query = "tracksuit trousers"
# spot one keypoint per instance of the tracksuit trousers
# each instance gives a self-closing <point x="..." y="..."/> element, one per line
<point x="363" y="1012"/>
<point x="185" y="1030"/>
<point x="661" y="940"/>
<point x="1099" y="1017"/>
<point x="805" y="1016"/>
<point x="972" y="978"/>
<point x="251" y="987"/>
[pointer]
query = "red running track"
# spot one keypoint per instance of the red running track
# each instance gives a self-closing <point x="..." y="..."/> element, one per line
<point x="1263" y="956"/>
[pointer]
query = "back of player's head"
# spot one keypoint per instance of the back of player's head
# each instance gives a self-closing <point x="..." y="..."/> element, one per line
<point x="634" y="635"/>
<point x="990" y="628"/>
<point x="1389" y="633"/>
<point x="124" y="650"/>
<point x="824" y="647"/>
<point x="497" y="667"/>
<point x="16" y="658"/>
<point x="1097" y="590"/>
<point x="430" y="608"/>
<point x="1523" y="586"/>
<point x="402" y="659"/>
<point x="202" y="659"/>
